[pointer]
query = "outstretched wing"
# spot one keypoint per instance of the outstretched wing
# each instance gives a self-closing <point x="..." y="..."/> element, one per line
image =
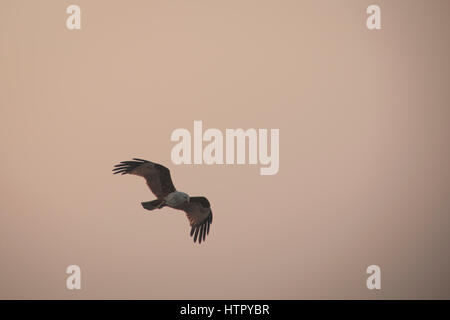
<point x="157" y="176"/>
<point x="199" y="214"/>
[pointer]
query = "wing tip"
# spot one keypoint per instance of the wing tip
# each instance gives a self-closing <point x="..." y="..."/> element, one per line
<point x="125" y="167"/>
<point x="200" y="231"/>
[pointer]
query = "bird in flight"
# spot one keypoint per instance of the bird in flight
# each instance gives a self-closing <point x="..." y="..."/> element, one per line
<point x="197" y="209"/>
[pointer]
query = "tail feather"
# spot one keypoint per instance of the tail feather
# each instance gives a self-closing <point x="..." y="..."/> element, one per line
<point x="154" y="204"/>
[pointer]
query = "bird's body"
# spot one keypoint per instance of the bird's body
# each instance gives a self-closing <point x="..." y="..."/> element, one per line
<point x="176" y="199"/>
<point x="197" y="209"/>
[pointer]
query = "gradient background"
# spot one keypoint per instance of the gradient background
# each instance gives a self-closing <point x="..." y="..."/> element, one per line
<point x="364" y="124"/>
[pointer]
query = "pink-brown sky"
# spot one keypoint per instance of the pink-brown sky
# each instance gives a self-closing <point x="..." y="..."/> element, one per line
<point x="364" y="124"/>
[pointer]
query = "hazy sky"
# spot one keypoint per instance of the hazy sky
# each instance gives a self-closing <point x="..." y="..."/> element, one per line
<point x="364" y="124"/>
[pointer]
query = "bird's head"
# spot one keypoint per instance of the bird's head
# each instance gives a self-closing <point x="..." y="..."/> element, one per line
<point x="184" y="196"/>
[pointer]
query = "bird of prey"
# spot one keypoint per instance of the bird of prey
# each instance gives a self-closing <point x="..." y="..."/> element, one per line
<point x="198" y="209"/>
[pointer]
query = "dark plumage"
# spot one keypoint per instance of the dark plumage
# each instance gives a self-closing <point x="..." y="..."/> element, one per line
<point x="197" y="209"/>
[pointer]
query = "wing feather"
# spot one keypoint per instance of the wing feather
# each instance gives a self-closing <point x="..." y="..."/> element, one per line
<point x="199" y="213"/>
<point x="157" y="176"/>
